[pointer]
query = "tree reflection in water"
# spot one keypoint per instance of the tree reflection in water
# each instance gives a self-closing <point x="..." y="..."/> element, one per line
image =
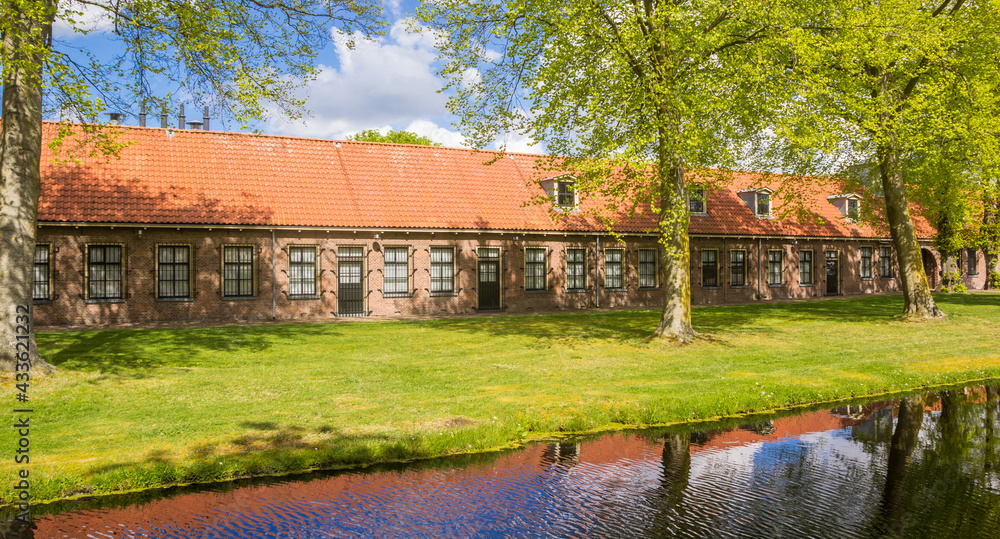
<point x="923" y="466"/>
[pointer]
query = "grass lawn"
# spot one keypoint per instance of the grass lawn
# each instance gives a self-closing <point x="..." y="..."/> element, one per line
<point x="134" y="409"/>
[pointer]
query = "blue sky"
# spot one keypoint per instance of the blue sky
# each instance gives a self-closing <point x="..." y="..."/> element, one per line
<point x="389" y="83"/>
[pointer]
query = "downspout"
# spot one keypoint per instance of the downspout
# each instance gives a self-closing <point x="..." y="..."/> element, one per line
<point x="759" y="262"/>
<point x="274" y="298"/>
<point x="597" y="272"/>
<point x="722" y="280"/>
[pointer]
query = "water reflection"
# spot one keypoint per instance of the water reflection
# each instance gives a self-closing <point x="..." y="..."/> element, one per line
<point x="918" y="467"/>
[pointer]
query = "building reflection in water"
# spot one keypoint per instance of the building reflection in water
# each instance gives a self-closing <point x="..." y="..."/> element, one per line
<point x="917" y="467"/>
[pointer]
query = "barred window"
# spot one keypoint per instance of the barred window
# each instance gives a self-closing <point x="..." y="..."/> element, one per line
<point x="173" y="271"/>
<point x="647" y="268"/>
<point x="613" y="271"/>
<point x="738" y="267"/>
<point x="774" y="267"/>
<point x="40" y="288"/>
<point x="885" y="262"/>
<point x="973" y="262"/>
<point x="710" y="268"/>
<point x="104" y="272"/>
<point x="806" y="267"/>
<point x="237" y="271"/>
<point x="866" y="262"/>
<point x="576" y="269"/>
<point x="302" y="271"/>
<point x="396" y="272"/>
<point x="442" y="270"/>
<point x="696" y="201"/>
<point x="534" y="269"/>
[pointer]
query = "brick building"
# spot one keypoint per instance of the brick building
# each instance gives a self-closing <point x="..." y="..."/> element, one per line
<point x="193" y="225"/>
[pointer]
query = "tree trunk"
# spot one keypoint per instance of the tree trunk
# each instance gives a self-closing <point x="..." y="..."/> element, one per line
<point x="904" y="441"/>
<point x="917" y="300"/>
<point x="20" y="177"/>
<point x="675" y="256"/>
<point x="949" y="271"/>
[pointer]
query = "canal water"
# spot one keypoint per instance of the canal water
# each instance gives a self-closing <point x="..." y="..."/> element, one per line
<point x="920" y="466"/>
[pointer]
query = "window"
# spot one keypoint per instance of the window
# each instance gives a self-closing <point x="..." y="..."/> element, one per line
<point x="763" y="204"/>
<point x="534" y="268"/>
<point x="709" y="268"/>
<point x="442" y="270"/>
<point x="565" y="194"/>
<point x="237" y="271"/>
<point x="885" y="262"/>
<point x="852" y="208"/>
<point x="774" y="268"/>
<point x="173" y="271"/>
<point x="576" y="269"/>
<point x="647" y="268"/>
<point x="973" y="263"/>
<point x="40" y="289"/>
<point x="866" y="262"/>
<point x="301" y="271"/>
<point x="806" y="267"/>
<point x="396" y="271"/>
<point x="104" y="272"/>
<point x="737" y="268"/>
<point x="696" y="200"/>
<point x="613" y="277"/>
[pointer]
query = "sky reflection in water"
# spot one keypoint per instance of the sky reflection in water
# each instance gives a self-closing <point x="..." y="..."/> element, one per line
<point x="918" y="467"/>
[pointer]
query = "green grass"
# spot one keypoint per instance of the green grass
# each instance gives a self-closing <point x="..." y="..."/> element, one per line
<point x="135" y="409"/>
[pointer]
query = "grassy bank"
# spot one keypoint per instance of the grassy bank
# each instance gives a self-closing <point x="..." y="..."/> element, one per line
<point x="133" y="409"/>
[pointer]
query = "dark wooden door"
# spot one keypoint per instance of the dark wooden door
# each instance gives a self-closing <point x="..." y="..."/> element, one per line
<point x="832" y="273"/>
<point x="489" y="285"/>
<point x="350" y="296"/>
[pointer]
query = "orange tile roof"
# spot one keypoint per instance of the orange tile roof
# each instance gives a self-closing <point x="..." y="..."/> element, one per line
<point x="167" y="176"/>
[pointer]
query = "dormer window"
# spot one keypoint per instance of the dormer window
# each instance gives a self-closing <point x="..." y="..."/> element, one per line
<point x="763" y="204"/>
<point x="758" y="200"/>
<point x="696" y="200"/>
<point x="565" y="194"/>
<point x="849" y="205"/>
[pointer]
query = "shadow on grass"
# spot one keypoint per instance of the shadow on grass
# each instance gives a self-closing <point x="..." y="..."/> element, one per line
<point x="132" y="353"/>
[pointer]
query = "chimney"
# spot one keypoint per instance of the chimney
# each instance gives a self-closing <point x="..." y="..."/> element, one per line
<point x="206" y="118"/>
<point x="142" y="115"/>
<point x="180" y="118"/>
<point x="195" y="125"/>
<point x="115" y="118"/>
<point x="163" y="117"/>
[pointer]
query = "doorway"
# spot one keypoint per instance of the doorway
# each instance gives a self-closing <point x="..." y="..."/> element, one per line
<point x="350" y="293"/>
<point x="489" y="279"/>
<point x="930" y="268"/>
<point x="832" y="273"/>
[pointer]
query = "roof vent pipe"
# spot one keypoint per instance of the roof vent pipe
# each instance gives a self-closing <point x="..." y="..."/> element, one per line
<point x="180" y="118"/>
<point x="115" y="118"/>
<point x="142" y="116"/>
<point x="205" y="118"/>
<point x="163" y="118"/>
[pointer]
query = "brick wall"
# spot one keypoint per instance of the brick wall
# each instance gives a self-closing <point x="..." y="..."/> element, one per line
<point x="69" y="304"/>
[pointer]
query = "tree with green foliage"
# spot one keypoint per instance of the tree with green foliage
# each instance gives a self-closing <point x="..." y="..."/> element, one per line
<point x="243" y="55"/>
<point x="632" y="97"/>
<point x="874" y="82"/>
<point x="394" y="137"/>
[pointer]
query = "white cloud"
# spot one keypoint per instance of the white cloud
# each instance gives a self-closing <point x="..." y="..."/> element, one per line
<point x="431" y="130"/>
<point x="391" y="82"/>
<point x="86" y="17"/>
